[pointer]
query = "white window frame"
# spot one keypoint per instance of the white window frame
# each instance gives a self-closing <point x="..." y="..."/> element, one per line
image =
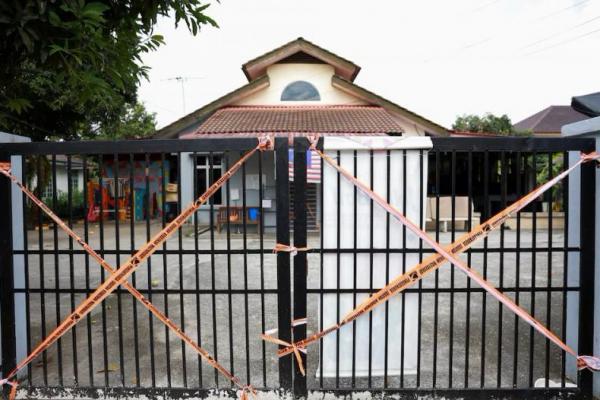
<point x="206" y="166"/>
<point x="48" y="191"/>
<point x="74" y="181"/>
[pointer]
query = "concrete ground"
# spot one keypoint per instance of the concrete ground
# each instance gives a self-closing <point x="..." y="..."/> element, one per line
<point x="87" y="356"/>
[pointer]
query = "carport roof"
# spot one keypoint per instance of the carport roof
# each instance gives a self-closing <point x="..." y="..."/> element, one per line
<point x="299" y="119"/>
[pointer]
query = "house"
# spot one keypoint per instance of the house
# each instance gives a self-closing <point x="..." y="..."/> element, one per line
<point x="550" y="120"/>
<point x="296" y="89"/>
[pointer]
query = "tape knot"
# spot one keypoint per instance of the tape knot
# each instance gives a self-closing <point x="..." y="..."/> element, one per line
<point x="293" y="250"/>
<point x="266" y="143"/>
<point x="590" y="362"/>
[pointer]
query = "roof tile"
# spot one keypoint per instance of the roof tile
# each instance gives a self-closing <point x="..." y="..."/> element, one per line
<point x="300" y="119"/>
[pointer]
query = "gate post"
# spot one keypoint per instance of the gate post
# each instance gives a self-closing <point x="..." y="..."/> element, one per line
<point x="283" y="259"/>
<point x="586" y="271"/>
<point x="7" y="297"/>
<point x="300" y="266"/>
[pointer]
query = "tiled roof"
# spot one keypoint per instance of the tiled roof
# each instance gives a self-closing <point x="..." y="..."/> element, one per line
<point x="299" y="119"/>
<point x="550" y="120"/>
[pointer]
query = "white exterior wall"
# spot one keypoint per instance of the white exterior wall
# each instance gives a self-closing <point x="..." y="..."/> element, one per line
<point x="319" y="75"/>
<point x="281" y="75"/>
<point x="62" y="179"/>
<point x="414" y="204"/>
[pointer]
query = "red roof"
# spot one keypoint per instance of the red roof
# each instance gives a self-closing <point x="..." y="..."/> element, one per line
<point x="333" y="120"/>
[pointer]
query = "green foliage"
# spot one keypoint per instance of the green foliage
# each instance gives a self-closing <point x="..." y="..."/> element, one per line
<point x="545" y="170"/>
<point x="134" y="123"/>
<point x="75" y="65"/>
<point x="488" y="123"/>
<point x="61" y="208"/>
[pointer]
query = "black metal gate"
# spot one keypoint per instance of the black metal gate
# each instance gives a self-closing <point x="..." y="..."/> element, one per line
<point x="226" y="286"/>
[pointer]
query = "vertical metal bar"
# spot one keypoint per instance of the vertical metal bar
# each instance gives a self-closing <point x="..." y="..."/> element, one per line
<point x="149" y="266"/>
<point x="503" y="168"/>
<point x="387" y="270"/>
<point x="355" y="269"/>
<point x="420" y="293"/>
<point x="245" y="259"/>
<point x="565" y="190"/>
<point x="371" y="265"/>
<point x="437" y="272"/>
<point x="283" y="259"/>
<point x="549" y="271"/>
<point x="586" y="271"/>
<point x="404" y="247"/>
<point x="321" y="276"/>
<point x="7" y="295"/>
<point x="229" y="295"/>
<point x="486" y="215"/>
<point x="102" y="272"/>
<point x="86" y="257"/>
<point x="300" y="266"/>
<point x="40" y="173"/>
<point x="517" y="269"/>
<point x="71" y="266"/>
<point x="165" y="275"/>
<point x="118" y="195"/>
<point x="196" y="258"/>
<point x="136" y="342"/>
<point x="26" y="267"/>
<point x="56" y="273"/>
<point x="262" y="265"/>
<point x="469" y="257"/>
<point x="453" y="235"/>
<point x="213" y="264"/>
<point x="180" y="251"/>
<point x="337" y="265"/>
<point x="533" y="271"/>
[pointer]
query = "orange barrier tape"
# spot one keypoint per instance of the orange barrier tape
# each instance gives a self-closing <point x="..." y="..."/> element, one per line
<point x="448" y="253"/>
<point x="293" y="250"/>
<point x="119" y="275"/>
<point x="268" y="337"/>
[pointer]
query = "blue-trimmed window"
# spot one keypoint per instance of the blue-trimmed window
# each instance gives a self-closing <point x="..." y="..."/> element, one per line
<point x="300" y="91"/>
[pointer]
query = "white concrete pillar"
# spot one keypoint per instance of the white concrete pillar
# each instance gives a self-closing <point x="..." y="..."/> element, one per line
<point x="414" y="202"/>
<point x="18" y="244"/>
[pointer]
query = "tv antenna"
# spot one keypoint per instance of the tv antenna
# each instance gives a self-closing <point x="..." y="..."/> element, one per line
<point x="182" y="80"/>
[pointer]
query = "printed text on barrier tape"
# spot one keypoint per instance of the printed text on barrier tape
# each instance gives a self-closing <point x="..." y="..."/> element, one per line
<point x="118" y="276"/>
<point x="4" y="169"/>
<point x="430" y="264"/>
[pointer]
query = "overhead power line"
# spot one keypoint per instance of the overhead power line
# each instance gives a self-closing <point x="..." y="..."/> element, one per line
<point x="493" y="35"/>
<point x="562" y="10"/>
<point x="564" y="42"/>
<point x="560" y="33"/>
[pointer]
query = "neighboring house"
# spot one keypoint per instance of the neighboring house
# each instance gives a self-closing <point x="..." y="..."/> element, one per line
<point x="62" y="176"/>
<point x="296" y="89"/>
<point x="549" y="121"/>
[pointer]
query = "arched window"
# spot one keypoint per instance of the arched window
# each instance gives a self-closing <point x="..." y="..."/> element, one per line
<point x="300" y="91"/>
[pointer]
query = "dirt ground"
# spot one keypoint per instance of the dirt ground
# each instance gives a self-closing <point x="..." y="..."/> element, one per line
<point x="142" y="352"/>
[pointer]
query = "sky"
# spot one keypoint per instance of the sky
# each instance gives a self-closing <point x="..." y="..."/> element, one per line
<point x="437" y="58"/>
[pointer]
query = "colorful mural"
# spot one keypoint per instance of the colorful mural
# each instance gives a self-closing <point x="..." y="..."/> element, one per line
<point x="147" y="193"/>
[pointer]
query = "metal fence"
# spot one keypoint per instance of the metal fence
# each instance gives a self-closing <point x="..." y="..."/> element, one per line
<point x="227" y="287"/>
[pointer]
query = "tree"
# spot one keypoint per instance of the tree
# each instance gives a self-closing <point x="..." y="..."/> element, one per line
<point x="135" y="123"/>
<point x="487" y="123"/>
<point x="75" y="65"/>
